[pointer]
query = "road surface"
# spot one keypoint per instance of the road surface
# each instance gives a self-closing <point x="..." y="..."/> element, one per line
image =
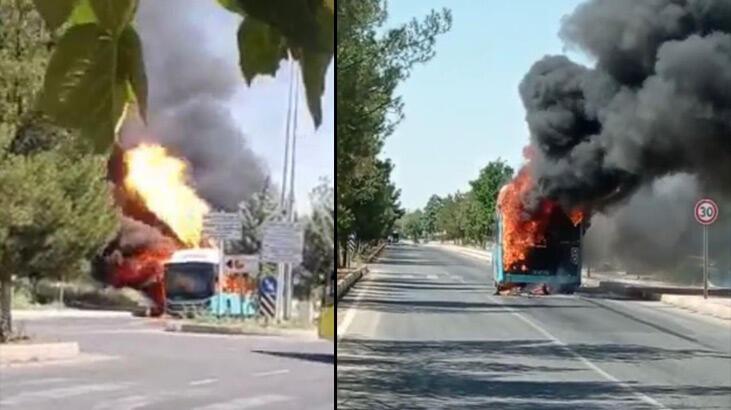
<point x="424" y="331"/>
<point x="134" y="364"/>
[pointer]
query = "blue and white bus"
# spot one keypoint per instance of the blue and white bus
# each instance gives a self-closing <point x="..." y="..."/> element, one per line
<point x="555" y="264"/>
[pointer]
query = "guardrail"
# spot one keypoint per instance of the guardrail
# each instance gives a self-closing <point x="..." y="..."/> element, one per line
<point x="352" y="277"/>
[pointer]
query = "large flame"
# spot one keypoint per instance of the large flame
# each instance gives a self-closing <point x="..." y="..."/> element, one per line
<point x="160" y="180"/>
<point x="524" y="229"/>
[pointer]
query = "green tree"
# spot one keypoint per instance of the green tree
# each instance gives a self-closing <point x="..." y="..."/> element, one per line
<point x="254" y="212"/>
<point x="56" y="212"/>
<point x="371" y="63"/>
<point x="318" y="258"/>
<point x="485" y="190"/>
<point x="413" y="225"/>
<point x="55" y="205"/>
<point x="430" y="214"/>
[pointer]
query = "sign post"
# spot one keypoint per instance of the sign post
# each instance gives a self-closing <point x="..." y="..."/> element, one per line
<point x="222" y="226"/>
<point x="282" y="243"/>
<point x="706" y="213"/>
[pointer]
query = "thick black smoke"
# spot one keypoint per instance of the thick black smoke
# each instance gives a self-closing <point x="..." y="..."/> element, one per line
<point x="190" y="85"/>
<point x="657" y="102"/>
<point x="654" y="233"/>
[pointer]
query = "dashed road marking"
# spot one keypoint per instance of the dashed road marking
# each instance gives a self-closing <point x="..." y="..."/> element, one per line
<point x="202" y="382"/>
<point x="247" y="403"/>
<point x="270" y="373"/>
<point x="589" y="364"/>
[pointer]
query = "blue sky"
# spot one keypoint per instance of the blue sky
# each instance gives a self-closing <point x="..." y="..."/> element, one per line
<point x="462" y="108"/>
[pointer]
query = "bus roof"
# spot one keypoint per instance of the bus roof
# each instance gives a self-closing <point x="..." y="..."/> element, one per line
<point x="206" y="255"/>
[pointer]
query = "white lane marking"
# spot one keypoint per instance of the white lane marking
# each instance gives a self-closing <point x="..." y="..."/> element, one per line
<point x="589" y="364"/>
<point x="246" y="403"/>
<point x="83" y="358"/>
<point x="350" y="313"/>
<point x="124" y="403"/>
<point x="59" y="393"/>
<point x="202" y="382"/>
<point x="270" y="373"/>
<point x="432" y="277"/>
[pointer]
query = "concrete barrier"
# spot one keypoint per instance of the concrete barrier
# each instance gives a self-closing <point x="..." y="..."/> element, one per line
<point x="37" y="352"/>
<point x="220" y="329"/>
<point x="351" y="278"/>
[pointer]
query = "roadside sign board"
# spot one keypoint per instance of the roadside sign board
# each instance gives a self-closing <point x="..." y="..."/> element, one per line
<point x="706" y="211"/>
<point x="222" y="225"/>
<point x="282" y="242"/>
<point x="242" y="264"/>
<point x="268" y="297"/>
<point x="268" y="285"/>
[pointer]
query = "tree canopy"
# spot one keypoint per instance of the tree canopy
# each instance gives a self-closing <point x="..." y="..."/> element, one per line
<point x="465" y="216"/>
<point x="372" y="61"/>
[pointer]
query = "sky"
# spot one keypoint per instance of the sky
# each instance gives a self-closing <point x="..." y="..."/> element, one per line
<point x="462" y="109"/>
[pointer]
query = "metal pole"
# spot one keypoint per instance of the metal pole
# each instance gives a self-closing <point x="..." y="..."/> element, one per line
<point x="221" y="256"/>
<point x="281" y="270"/>
<point x="705" y="261"/>
<point x="290" y="206"/>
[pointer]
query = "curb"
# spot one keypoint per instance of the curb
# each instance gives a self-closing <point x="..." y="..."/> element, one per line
<point x="699" y="306"/>
<point x="69" y="314"/>
<point x="24" y="353"/>
<point x="350" y="279"/>
<point x="233" y="330"/>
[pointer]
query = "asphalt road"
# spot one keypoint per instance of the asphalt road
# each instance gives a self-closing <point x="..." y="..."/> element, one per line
<point x="424" y="331"/>
<point x="134" y="364"/>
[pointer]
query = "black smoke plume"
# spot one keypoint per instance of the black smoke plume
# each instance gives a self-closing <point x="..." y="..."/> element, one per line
<point x="190" y="87"/>
<point x="657" y="102"/>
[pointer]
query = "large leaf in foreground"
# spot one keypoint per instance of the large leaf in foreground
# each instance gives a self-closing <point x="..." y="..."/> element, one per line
<point x="80" y="88"/>
<point x="131" y="67"/>
<point x="55" y="12"/>
<point x="261" y="48"/>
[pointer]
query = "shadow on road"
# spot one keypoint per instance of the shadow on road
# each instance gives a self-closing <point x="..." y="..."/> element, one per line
<point x="312" y="357"/>
<point x="477" y="374"/>
<point x="440" y="306"/>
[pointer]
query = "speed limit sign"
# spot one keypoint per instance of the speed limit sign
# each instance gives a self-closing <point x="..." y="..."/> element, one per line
<point x="706" y="211"/>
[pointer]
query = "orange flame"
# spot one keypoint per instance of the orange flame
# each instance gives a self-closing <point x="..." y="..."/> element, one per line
<point x="160" y="180"/>
<point x="524" y="230"/>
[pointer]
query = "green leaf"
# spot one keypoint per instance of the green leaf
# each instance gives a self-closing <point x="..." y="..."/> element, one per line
<point x="307" y="28"/>
<point x="83" y="13"/>
<point x="261" y="47"/>
<point x="314" y="67"/>
<point x="305" y="23"/>
<point x="114" y="15"/>
<point x="55" y="12"/>
<point x="80" y="88"/>
<point x="231" y="5"/>
<point x="131" y="67"/>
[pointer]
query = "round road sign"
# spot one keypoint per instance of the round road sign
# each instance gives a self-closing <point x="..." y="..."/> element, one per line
<point x="706" y="211"/>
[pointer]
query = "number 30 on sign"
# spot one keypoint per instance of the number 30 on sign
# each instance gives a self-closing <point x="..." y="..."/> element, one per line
<point x="706" y="211"/>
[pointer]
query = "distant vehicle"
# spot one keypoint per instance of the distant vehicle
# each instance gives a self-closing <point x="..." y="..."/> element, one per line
<point x="556" y="263"/>
<point x="395" y="237"/>
<point x="191" y="277"/>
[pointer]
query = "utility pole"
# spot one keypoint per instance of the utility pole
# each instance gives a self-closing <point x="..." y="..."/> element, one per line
<point x="290" y="208"/>
<point x="281" y="268"/>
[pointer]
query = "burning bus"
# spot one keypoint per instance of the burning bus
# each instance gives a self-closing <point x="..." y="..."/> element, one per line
<point x="536" y="248"/>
